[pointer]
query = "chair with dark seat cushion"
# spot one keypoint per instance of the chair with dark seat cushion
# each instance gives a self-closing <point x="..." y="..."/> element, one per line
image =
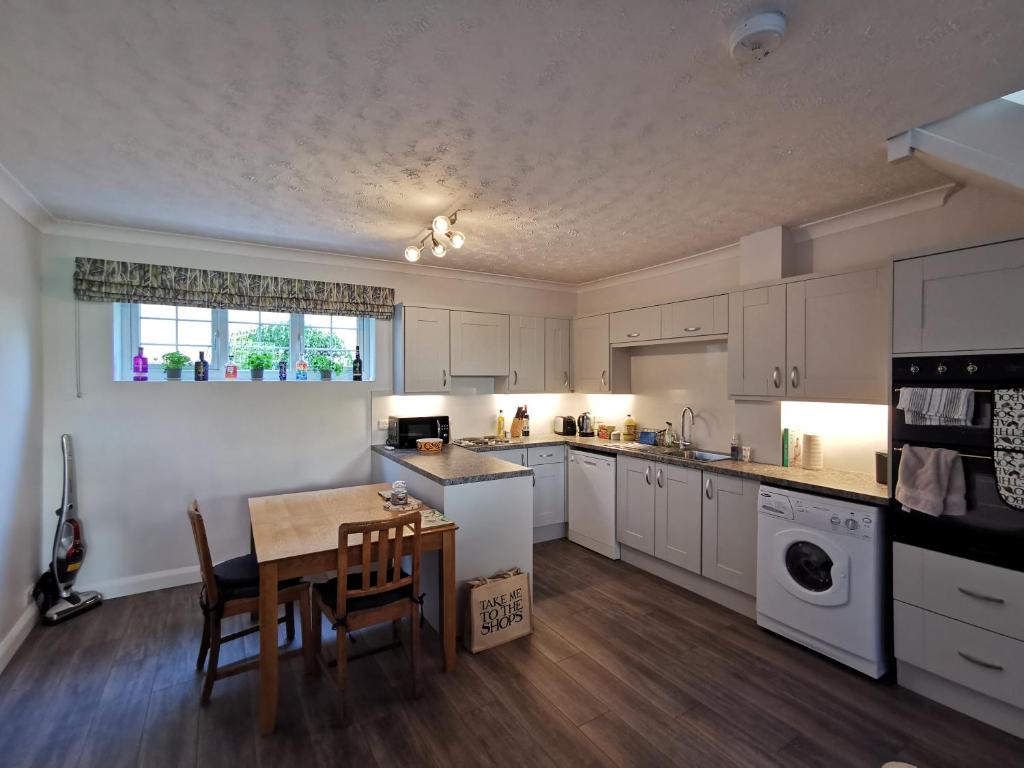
<point x="231" y="588"/>
<point x="379" y="592"/>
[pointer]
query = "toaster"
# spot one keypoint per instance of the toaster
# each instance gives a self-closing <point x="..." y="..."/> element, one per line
<point x="565" y="425"/>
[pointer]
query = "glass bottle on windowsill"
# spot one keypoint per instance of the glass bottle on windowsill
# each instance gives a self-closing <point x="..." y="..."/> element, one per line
<point x="202" y="368"/>
<point x="140" y="367"/>
<point x="357" y="367"/>
<point x="301" y="370"/>
<point x="231" y="370"/>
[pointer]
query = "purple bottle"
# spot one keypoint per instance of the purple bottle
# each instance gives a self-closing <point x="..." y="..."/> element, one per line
<point x="140" y="367"/>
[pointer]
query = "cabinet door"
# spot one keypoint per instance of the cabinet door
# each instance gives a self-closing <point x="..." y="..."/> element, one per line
<point x="557" y="362"/>
<point x="634" y="507"/>
<point x="548" y="494"/>
<point x="695" y="317"/>
<point x="636" y="325"/>
<point x="729" y="535"/>
<point x="426" y="361"/>
<point x="836" y="330"/>
<point x="757" y="341"/>
<point x="526" y="354"/>
<point x="592" y="356"/>
<point x="960" y="301"/>
<point x="677" y="515"/>
<point x="479" y="344"/>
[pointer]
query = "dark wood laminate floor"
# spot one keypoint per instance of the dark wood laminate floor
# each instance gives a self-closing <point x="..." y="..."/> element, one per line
<point x="623" y="669"/>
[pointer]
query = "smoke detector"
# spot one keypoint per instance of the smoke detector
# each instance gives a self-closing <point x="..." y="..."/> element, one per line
<point x="757" y="37"/>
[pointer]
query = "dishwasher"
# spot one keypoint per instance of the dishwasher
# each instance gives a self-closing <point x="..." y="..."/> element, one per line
<point x="592" y="501"/>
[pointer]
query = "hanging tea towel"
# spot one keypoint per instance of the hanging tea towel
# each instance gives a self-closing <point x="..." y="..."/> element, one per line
<point x="1008" y="445"/>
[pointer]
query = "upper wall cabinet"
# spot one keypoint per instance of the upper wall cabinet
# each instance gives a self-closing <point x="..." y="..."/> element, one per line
<point x="695" y="317"/>
<point x="526" y="354"/>
<point x="757" y="342"/>
<point x="636" y="325"/>
<point x="960" y="301"/>
<point x="557" y="362"/>
<point x="835" y="338"/>
<point x="591" y="354"/>
<point x="479" y="344"/>
<point x="421" y="350"/>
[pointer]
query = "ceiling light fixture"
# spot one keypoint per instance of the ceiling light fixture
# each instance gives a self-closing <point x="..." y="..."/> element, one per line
<point x="758" y="37"/>
<point x="441" y="237"/>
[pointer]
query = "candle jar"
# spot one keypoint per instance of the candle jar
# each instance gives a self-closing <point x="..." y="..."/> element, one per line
<point x="399" y="493"/>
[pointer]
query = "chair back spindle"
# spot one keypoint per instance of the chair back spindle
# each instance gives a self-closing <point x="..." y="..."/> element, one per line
<point x="203" y="551"/>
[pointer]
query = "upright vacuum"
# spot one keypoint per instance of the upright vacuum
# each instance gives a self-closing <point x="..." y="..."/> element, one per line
<point x="53" y="594"/>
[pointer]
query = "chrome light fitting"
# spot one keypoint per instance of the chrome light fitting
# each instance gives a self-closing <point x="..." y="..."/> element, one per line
<point x="441" y="235"/>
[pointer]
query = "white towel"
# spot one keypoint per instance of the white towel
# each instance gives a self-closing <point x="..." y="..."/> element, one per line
<point x="933" y="406"/>
<point x="932" y="481"/>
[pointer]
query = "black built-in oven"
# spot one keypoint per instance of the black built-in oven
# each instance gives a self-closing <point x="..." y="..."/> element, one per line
<point x="992" y="531"/>
<point x="404" y="431"/>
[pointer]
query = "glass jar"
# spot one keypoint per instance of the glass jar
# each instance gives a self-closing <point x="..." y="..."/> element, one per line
<point x="399" y="493"/>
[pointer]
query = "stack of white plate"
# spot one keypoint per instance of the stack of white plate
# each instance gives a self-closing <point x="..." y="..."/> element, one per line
<point x="812" y="454"/>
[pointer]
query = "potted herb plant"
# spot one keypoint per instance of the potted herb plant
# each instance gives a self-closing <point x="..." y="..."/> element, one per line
<point x="173" y="363"/>
<point x="258" y="362"/>
<point x="325" y="365"/>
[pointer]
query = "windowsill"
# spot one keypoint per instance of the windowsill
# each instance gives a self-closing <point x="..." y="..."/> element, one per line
<point x="241" y="380"/>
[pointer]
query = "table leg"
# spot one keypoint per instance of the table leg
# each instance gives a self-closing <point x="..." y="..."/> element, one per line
<point x="268" y="647"/>
<point x="448" y="601"/>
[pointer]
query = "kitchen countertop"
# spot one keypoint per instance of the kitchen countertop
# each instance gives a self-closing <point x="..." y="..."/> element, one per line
<point x="855" y="486"/>
<point x="454" y="465"/>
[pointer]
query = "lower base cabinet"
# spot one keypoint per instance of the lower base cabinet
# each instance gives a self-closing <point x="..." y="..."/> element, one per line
<point x="548" y="494"/>
<point x="634" y="503"/>
<point x="677" y="516"/>
<point x="729" y="536"/>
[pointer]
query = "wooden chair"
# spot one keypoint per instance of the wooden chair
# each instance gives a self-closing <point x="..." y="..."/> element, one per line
<point x="374" y="595"/>
<point x="231" y="588"/>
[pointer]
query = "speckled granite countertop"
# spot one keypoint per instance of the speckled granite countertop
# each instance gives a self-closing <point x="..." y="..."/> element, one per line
<point x="856" y="486"/>
<point x="454" y="465"/>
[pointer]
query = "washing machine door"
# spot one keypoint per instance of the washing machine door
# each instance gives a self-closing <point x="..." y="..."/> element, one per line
<point x="812" y="567"/>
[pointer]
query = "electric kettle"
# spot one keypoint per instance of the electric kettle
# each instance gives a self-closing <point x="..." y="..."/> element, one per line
<point x="585" y="425"/>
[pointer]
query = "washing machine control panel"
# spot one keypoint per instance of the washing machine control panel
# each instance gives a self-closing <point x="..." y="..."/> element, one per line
<point x="835" y="516"/>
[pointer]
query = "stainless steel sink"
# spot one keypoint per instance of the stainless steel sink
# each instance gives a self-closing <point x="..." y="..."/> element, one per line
<point x="686" y="453"/>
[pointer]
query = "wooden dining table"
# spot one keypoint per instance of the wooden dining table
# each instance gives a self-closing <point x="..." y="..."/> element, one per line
<point x="296" y="534"/>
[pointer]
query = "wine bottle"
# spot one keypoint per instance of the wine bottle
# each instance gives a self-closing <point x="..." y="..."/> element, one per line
<point x="357" y="367"/>
<point x="140" y="367"/>
<point x="202" y="368"/>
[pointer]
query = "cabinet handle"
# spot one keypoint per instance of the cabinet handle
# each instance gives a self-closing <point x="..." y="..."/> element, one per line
<point x="691" y="328"/>
<point x="979" y="596"/>
<point x="444" y="377"/>
<point x="515" y="377"/>
<point x="534" y="481"/>
<point x="647" y="475"/>
<point x="565" y="379"/>
<point x="979" y="662"/>
<point x="776" y="377"/>
<point x="794" y="377"/>
<point x="632" y="335"/>
<point x="603" y="384"/>
<point x="590" y="463"/>
<point x="707" y="487"/>
<point x="659" y="477"/>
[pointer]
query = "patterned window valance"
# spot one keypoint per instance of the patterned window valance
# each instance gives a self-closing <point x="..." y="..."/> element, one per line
<point x="125" y="281"/>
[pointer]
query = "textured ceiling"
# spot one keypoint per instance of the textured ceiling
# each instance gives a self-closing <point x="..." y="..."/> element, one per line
<point x="587" y="137"/>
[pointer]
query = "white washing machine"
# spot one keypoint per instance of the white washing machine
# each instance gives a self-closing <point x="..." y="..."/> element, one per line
<point x="820" y="575"/>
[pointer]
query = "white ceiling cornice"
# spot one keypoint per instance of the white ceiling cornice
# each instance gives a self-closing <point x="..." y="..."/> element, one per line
<point x="23" y="202"/>
<point x="148" y="237"/>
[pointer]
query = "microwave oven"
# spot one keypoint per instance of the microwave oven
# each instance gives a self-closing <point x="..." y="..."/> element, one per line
<point x="404" y="431"/>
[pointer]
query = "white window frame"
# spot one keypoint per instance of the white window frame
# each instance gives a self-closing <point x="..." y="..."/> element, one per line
<point x="127" y="331"/>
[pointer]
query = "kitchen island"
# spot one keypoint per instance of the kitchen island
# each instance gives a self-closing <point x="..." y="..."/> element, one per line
<point x="491" y="501"/>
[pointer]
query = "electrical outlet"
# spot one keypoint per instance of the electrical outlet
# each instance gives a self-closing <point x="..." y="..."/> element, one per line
<point x="382" y="423"/>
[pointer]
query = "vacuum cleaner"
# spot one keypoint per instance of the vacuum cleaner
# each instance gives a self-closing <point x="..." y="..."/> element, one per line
<point x="53" y="594"/>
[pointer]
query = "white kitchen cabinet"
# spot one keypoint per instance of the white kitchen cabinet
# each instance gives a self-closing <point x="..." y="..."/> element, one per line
<point x="835" y="338"/>
<point x="729" y="531"/>
<point x="636" y="325"/>
<point x="591" y="354"/>
<point x="757" y="342"/>
<point x="526" y="354"/>
<point x="548" y="494"/>
<point x="960" y="301"/>
<point x="515" y="455"/>
<point x="677" y="515"/>
<point x="421" y="350"/>
<point x="695" y="317"/>
<point x="557" y="362"/>
<point x="634" y="504"/>
<point x="479" y="344"/>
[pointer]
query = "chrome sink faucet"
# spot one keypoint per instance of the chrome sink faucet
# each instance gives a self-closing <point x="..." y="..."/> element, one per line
<point x="682" y="427"/>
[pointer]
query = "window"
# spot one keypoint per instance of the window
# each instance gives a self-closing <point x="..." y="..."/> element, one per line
<point x="225" y="334"/>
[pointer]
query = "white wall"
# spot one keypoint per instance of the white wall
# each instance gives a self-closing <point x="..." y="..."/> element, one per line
<point x="145" y="450"/>
<point x="21" y="526"/>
